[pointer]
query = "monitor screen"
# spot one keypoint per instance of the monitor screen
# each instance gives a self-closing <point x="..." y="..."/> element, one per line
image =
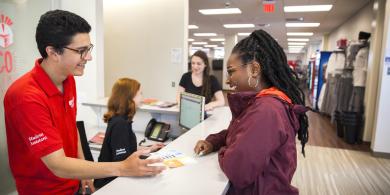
<point x="191" y="110"/>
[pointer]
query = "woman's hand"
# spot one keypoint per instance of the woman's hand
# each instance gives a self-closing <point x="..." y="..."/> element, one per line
<point x="208" y="107"/>
<point x="203" y="147"/>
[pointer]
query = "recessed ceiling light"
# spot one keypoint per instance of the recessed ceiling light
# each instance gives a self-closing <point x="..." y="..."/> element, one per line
<point x="196" y="47"/>
<point x="295" y="49"/>
<point x="217" y="39"/>
<point x="300" y="34"/>
<point x="298" y="39"/>
<point x="223" y="43"/>
<point x="296" y="46"/>
<point x="205" y="34"/>
<point x="295" y="52"/>
<point x="191" y="40"/>
<point x="296" y="43"/>
<point x="210" y="45"/>
<point x="314" y="24"/>
<point x="308" y="8"/>
<point x="199" y="43"/>
<point x="192" y="27"/>
<point x="220" y="11"/>
<point x="239" y="25"/>
<point x="243" y="34"/>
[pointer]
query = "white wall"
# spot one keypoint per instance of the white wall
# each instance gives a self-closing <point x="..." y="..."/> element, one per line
<point x="25" y="16"/>
<point x="139" y="38"/>
<point x="380" y="142"/>
<point x="230" y="41"/>
<point x="374" y="60"/>
<point x="361" y="21"/>
<point x="91" y="84"/>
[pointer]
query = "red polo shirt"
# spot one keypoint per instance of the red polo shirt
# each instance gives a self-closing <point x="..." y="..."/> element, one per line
<point x="40" y="120"/>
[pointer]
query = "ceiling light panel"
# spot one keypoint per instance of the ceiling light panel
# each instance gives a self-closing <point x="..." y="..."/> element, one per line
<point x="298" y="39"/>
<point x="300" y="34"/>
<point x="308" y="8"/>
<point x="217" y="39"/>
<point x="192" y="27"/>
<point x="239" y="25"/>
<point x="220" y="11"/>
<point x="199" y="43"/>
<point x="211" y="46"/>
<point x="296" y="43"/>
<point x="243" y="34"/>
<point x="205" y="34"/>
<point x="314" y="24"/>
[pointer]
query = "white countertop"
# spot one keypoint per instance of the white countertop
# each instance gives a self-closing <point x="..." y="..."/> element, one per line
<point x="202" y="178"/>
<point x="102" y="102"/>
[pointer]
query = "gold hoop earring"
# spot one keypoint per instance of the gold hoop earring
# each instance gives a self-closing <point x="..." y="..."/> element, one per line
<point x="249" y="82"/>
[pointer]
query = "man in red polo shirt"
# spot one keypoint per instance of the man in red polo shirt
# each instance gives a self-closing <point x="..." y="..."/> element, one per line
<point x="44" y="149"/>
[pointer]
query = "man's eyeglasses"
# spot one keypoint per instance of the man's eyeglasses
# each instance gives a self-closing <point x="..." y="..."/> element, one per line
<point x="83" y="51"/>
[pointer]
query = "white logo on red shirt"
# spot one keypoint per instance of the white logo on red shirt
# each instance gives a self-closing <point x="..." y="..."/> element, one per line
<point x="71" y="102"/>
<point x="38" y="138"/>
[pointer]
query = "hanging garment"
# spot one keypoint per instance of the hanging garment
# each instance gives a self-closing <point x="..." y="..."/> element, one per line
<point x="356" y="106"/>
<point x="352" y="51"/>
<point x="321" y="97"/>
<point x="356" y="103"/>
<point x="344" y="92"/>
<point x="360" y="68"/>
<point x="329" y="103"/>
<point x="336" y="63"/>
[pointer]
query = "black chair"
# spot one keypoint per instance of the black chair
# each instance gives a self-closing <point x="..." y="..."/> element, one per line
<point x="84" y="141"/>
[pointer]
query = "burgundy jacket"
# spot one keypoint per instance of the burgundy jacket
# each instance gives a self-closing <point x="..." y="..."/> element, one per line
<point x="257" y="152"/>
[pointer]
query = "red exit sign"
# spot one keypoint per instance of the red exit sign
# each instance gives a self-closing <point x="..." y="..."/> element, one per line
<point x="268" y="6"/>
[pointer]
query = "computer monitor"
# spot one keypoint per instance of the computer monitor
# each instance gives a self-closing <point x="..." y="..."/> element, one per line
<point x="191" y="110"/>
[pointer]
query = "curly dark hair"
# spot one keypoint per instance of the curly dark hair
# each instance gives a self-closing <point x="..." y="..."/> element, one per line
<point x="56" y="28"/>
<point x="261" y="47"/>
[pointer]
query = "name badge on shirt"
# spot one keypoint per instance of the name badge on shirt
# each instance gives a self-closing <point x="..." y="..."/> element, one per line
<point x="120" y="151"/>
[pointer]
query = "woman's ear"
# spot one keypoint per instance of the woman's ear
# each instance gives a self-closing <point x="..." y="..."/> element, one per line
<point x="255" y="69"/>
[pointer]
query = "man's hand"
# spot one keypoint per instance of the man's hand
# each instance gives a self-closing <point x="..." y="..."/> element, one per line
<point x="134" y="166"/>
<point x="156" y="147"/>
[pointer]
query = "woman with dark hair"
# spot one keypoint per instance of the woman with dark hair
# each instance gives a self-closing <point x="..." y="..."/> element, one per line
<point x="120" y="141"/>
<point x="257" y="152"/>
<point x="200" y="82"/>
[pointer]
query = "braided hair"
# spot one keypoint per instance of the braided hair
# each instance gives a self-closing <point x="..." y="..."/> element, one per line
<point x="261" y="47"/>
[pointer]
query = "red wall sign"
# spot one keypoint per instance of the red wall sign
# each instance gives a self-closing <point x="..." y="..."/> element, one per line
<point x="6" y="40"/>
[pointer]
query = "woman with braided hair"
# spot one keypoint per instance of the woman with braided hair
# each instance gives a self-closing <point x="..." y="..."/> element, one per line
<point x="257" y="152"/>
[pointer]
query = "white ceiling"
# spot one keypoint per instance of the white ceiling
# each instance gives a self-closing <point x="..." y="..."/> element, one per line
<point x="252" y="12"/>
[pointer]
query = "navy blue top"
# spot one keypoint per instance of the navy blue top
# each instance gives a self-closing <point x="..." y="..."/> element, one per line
<point x="119" y="143"/>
